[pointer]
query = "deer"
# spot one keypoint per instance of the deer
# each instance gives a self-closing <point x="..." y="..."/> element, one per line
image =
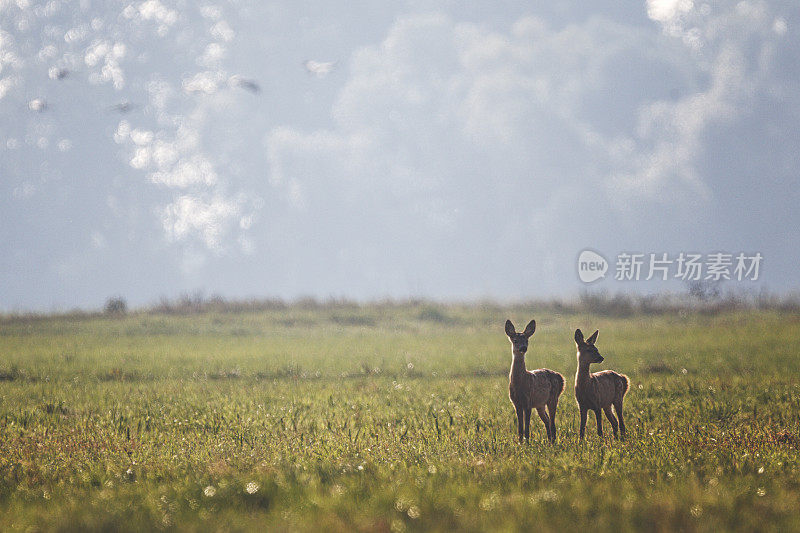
<point x="598" y="391"/>
<point x="531" y="389"/>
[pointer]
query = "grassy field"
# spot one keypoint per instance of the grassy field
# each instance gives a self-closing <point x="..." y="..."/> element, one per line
<point x="392" y="418"/>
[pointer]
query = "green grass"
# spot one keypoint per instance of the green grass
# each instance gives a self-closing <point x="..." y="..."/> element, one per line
<point x="388" y="417"/>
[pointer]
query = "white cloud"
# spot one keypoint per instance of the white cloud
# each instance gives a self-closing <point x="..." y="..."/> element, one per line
<point x="174" y="159"/>
<point x="175" y="153"/>
<point x="153" y="10"/>
<point x="212" y="57"/>
<point x="190" y="216"/>
<point x="447" y="128"/>
<point x="435" y="89"/>
<point x="204" y="82"/>
<point x="436" y="94"/>
<point x="10" y="62"/>
<point x="779" y="26"/>
<point x="667" y="10"/>
<point x="141" y="137"/>
<point x="106" y="56"/>
<point x="221" y="30"/>
<point x="670" y="135"/>
<point x="194" y="170"/>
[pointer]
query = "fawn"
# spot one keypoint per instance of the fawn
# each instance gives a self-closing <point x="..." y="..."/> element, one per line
<point x="531" y="389"/>
<point x="600" y="390"/>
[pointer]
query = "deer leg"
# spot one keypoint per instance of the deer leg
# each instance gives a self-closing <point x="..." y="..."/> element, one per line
<point x="551" y="410"/>
<point x="520" y="422"/>
<point x="618" y="409"/>
<point x="528" y="424"/>
<point x="611" y="419"/>
<point x="583" y="420"/>
<point x="599" y="422"/>
<point x="545" y="419"/>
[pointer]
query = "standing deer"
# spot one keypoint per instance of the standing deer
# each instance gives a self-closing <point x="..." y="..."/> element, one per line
<point x="598" y="391"/>
<point x="531" y="389"/>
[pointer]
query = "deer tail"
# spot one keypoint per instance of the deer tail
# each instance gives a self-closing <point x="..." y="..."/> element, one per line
<point x="625" y="382"/>
<point x="558" y="383"/>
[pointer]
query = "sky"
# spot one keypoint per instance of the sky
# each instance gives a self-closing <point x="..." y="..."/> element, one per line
<point x="447" y="150"/>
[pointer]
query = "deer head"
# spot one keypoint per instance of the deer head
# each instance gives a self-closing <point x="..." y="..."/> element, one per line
<point x="587" y="351"/>
<point x="519" y="341"/>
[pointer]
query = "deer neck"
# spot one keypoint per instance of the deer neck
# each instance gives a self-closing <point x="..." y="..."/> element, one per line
<point x="518" y="364"/>
<point x="582" y="375"/>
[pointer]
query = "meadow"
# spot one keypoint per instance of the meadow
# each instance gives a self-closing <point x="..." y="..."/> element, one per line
<point x="392" y="417"/>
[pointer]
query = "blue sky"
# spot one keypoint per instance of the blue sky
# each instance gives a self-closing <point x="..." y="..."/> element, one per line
<point x="450" y="150"/>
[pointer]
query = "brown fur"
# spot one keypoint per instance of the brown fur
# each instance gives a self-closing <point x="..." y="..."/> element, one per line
<point x="528" y="390"/>
<point x="599" y="391"/>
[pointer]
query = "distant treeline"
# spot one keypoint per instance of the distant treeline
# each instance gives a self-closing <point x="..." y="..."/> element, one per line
<point x="698" y="298"/>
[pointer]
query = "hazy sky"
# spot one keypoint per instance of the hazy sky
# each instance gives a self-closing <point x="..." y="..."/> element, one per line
<point x="445" y="150"/>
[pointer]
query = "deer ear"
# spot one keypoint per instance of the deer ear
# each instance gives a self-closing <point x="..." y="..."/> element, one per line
<point x="510" y="328"/>
<point x="578" y="337"/>
<point x="593" y="338"/>
<point x="530" y="328"/>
